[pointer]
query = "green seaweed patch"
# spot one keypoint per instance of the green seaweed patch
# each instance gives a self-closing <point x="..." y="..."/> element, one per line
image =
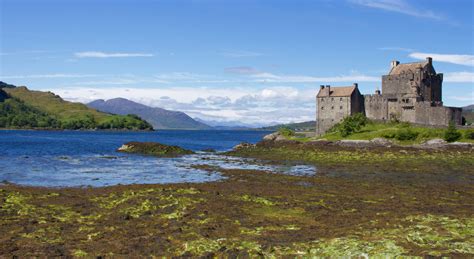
<point x="154" y="149"/>
<point x="258" y="200"/>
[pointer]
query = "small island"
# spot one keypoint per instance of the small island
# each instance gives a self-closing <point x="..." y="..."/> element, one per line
<point x="153" y="149"/>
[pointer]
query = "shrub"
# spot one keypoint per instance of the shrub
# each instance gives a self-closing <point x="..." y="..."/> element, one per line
<point x="350" y="124"/>
<point x="389" y="134"/>
<point x="406" y="134"/>
<point x="469" y="134"/>
<point x="287" y="132"/>
<point x="452" y="134"/>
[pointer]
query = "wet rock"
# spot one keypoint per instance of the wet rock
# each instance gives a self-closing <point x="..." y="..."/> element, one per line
<point x="154" y="149"/>
<point x="209" y="150"/>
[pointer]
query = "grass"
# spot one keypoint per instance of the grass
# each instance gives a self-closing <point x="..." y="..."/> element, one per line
<point x="390" y="130"/>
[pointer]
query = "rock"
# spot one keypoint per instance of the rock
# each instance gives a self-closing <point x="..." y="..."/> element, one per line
<point x="382" y="142"/>
<point x="209" y="150"/>
<point x="436" y="141"/>
<point x="243" y="145"/>
<point x="154" y="149"/>
<point x="280" y="138"/>
<point x="271" y="137"/>
<point x="462" y="145"/>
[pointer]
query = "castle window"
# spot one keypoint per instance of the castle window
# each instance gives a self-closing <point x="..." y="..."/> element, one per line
<point x="332" y="99"/>
<point x="332" y="107"/>
<point x="322" y="107"/>
<point x="340" y="99"/>
<point x="340" y="107"/>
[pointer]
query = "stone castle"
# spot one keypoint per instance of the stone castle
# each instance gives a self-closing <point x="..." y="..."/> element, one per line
<point x="411" y="92"/>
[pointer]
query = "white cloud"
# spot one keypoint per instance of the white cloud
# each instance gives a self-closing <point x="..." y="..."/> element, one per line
<point x="399" y="6"/>
<point x="249" y="105"/>
<point x="469" y="99"/>
<point x="466" y="60"/>
<point x="99" y="54"/>
<point x="459" y="77"/>
<point x="353" y="77"/>
<point x="243" y="70"/>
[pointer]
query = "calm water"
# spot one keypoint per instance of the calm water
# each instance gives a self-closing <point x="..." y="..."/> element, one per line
<point x="74" y="158"/>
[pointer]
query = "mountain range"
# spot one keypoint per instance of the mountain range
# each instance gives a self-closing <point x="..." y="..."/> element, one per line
<point x="158" y="117"/>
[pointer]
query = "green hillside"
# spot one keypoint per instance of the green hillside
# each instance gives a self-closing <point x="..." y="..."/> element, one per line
<point x="47" y="110"/>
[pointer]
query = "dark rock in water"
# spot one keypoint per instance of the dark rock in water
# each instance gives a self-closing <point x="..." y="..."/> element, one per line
<point x="153" y="149"/>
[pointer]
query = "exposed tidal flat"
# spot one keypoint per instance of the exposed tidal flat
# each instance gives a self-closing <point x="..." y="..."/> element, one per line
<point x="270" y="200"/>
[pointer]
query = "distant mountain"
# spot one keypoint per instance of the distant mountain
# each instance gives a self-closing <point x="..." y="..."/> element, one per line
<point x="158" y="117"/>
<point x="299" y="126"/>
<point x="23" y="108"/>
<point x="229" y="125"/>
<point x="468" y="108"/>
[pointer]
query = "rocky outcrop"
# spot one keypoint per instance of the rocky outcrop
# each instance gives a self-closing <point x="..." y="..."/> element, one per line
<point x="243" y="145"/>
<point x="153" y="149"/>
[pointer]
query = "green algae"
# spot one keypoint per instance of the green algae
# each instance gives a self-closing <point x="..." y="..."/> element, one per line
<point x="258" y="200"/>
<point x="79" y="253"/>
<point x="367" y="156"/>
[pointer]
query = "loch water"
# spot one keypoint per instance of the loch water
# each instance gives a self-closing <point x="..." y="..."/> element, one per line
<point x="89" y="158"/>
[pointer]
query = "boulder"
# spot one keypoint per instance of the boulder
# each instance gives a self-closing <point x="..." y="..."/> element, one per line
<point x="271" y="137"/>
<point x="382" y="142"/>
<point x="280" y="138"/>
<point x="436" y="141"/>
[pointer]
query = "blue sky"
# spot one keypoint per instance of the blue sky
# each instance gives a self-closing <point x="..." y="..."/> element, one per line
<point x="257" y="62"/>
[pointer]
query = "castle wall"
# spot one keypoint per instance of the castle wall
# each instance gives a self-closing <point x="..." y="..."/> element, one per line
<point x="331" y="110"/>
<point x="375" y="107"/>
<point x="396" y="86"/>
<point x="436" y="115"/>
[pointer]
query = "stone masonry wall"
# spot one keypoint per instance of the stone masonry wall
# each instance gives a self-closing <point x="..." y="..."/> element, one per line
<point x="375" y="107"/>
<point x="331" y="110"/>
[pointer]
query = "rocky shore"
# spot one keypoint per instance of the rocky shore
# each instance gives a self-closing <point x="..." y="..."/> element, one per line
<point x="277" y="140"/>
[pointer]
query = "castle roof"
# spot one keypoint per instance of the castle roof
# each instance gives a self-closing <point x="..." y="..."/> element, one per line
<point x="408" y="67"/>
<point x="338" y="91"/>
